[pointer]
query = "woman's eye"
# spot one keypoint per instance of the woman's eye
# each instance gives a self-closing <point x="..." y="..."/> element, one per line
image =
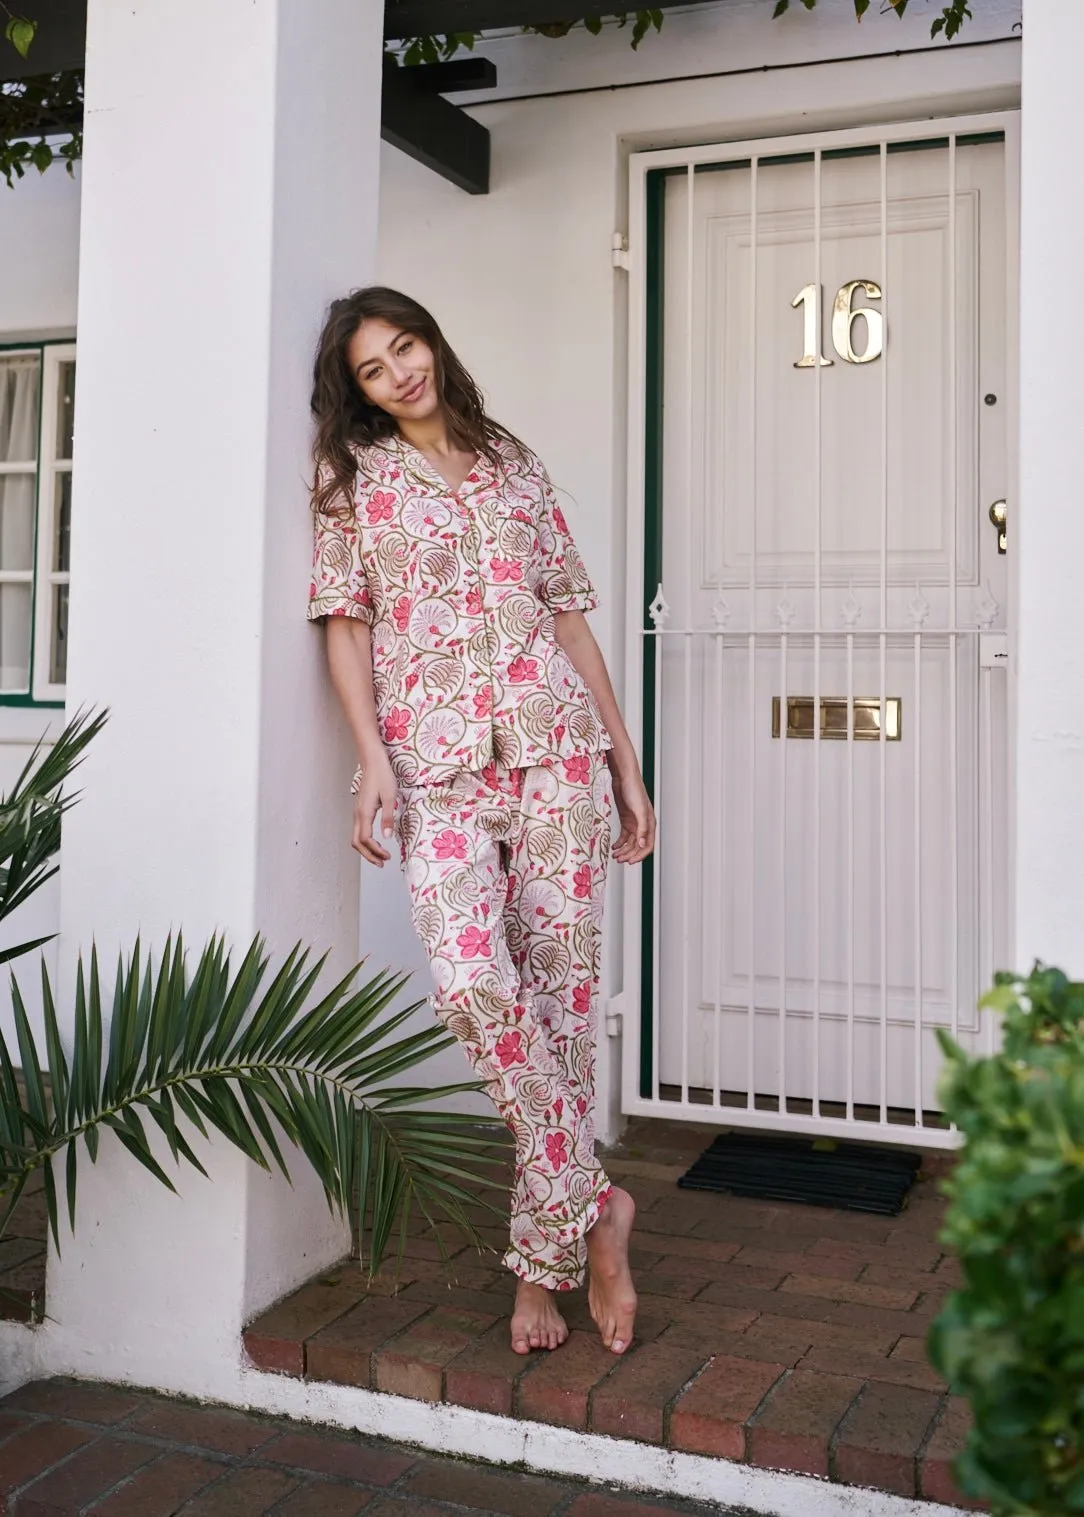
<point x="406" y="347"/>
<point x="371" y="375"/>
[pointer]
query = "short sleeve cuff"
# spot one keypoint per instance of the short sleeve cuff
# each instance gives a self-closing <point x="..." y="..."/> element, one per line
<point x="335" y="603"/>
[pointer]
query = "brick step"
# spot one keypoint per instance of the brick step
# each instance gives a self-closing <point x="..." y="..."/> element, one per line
<point x="785" y="1337"/>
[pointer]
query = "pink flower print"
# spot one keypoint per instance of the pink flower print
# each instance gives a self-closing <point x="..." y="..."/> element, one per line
<point x="557" y="1149"/>
<point x="401" y="612"/>
<point x="559" y="520"/>
<point x="450" y="845"/>
<point x="483" y="702"/>
<point x="396" y="724"/>
<point x="510" y="1050"/>
<point x="582" y="879"/>
<point x="578" y="769"/>
<point x="474" y="943"/>
<point x="581" y="998"/>
<point x="581" y="1105"/>
<point x="558" y="1107"/>
<point x="522" y="671"/>
<point x="380" y="507"/>
<point x="505" y="569"/>
<point x="474" y="601"/>
<point x="411" y="680"/>
<point x="559" y="731"/>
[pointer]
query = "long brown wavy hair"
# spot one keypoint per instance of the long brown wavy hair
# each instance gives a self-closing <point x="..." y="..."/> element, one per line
<point x="345" y="420"/>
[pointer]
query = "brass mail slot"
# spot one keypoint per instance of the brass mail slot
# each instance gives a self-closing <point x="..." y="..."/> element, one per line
<point x="867" y="717"/>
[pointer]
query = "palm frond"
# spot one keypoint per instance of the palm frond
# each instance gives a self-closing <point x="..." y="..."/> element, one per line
<point x="246" y="1056"/>
<point x="31" y="815"/>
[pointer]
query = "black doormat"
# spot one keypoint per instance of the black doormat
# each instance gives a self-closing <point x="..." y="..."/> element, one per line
<point x="817" y="1172"/>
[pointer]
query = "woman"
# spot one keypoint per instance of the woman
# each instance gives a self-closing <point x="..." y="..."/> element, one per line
<point x="485" y="722"/>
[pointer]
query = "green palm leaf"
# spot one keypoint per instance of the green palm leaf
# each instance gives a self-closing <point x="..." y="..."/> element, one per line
<point x="31" y="815"/>
<point x="247" y="1056"/>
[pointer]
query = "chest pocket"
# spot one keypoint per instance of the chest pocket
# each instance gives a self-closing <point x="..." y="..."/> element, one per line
<point x="514" y="549"/>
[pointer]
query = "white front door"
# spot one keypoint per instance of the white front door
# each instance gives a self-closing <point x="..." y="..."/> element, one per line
<point x="825" y="644"/>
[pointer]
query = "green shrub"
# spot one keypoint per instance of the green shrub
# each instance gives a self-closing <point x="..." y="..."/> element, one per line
<point x="1012" y="1340"/>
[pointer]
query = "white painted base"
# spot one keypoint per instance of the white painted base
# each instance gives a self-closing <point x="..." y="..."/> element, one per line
<point x="20" y="1356"/>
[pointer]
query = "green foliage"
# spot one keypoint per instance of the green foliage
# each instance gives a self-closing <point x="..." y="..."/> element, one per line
<point x="33" y="110"/>
<point x="1012" y="1340"/>
<point x="250" y="1058"/>
<point x="441" y="49"/>
<point x="30" y="819"/>
<point x="949" y="22"/>
<point x="20" y="33"/>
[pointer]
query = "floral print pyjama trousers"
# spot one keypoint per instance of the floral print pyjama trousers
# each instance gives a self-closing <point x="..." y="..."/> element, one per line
<point x="507" y="870"/>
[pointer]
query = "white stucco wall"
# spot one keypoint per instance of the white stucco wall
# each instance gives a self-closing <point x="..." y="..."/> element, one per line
<point x="39" y="257"/>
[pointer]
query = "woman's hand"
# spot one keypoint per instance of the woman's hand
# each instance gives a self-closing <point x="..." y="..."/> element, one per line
<point x="635" y="813"/>
<point x="376" y="795"/>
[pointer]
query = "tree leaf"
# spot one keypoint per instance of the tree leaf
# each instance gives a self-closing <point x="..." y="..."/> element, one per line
<point x="20" y="33"/>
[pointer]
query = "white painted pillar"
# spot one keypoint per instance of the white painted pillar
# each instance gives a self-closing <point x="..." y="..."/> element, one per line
<point x="1046" y="528"/>
<point x="230" y="190"/>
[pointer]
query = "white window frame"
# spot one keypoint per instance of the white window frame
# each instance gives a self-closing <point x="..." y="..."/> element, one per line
<point x="27" y="576"/>
<point x="43" y="690"/>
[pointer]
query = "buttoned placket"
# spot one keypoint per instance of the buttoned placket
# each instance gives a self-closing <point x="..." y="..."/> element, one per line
<point x="472" y="540"/>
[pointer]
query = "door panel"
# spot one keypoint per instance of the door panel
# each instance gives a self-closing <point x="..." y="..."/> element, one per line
<point x="821" y="905"/>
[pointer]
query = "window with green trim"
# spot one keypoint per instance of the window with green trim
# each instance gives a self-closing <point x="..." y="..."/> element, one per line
<point x="37" y="407"/>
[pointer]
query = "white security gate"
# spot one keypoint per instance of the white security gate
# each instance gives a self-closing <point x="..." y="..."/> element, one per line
<point x="822" y="413"/>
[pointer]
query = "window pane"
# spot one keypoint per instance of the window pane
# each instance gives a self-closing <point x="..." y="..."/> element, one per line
<point x="65" y="419"/>
<point x="14" y="637"/>
<point x="19" y="377"/>
<point x="17" y="521"/>
<point x="58" y="657"/>
<point x="63" y="522"/>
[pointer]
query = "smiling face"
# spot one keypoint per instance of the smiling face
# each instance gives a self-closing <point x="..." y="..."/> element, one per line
<point x="395" y="370"/>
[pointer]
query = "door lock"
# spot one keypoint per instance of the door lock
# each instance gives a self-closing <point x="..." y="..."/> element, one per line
<point x="999" y="516"/>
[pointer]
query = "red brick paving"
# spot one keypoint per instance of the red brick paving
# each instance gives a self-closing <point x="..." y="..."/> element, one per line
<point x="756" y="1320"/>
<point x="69" y="1450"/>
<point x="789" y="1336"/>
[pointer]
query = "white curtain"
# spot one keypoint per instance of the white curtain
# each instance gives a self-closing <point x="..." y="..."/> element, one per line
<point x="19" y="384"/>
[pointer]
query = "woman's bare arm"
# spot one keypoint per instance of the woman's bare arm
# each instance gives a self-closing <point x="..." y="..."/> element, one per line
<point x="350" y="660"/>
<point x="637" y="837"/>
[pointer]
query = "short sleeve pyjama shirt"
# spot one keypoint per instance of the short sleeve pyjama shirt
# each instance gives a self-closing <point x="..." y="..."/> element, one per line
<point x="460" y="590"/>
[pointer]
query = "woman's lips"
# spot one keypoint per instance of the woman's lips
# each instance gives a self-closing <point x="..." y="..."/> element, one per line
<point x="415" y="394"/>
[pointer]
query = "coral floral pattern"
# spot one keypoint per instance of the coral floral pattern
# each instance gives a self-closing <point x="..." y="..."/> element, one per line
<point x="460" y="589"/>
<point x="506" y="870"/>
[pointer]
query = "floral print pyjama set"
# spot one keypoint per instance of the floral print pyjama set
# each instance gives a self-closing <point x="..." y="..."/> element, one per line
<point x="504" y="797"/>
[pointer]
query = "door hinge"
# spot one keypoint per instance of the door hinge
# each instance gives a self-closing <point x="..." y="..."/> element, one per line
<point x="619" y="249"/>
<point x="615" y="1012"/>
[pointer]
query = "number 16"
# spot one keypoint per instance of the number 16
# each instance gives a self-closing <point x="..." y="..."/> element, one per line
<point x="844" y="316"/>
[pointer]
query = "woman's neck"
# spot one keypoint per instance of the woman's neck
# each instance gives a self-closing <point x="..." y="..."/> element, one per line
<point x="429" y="436"/>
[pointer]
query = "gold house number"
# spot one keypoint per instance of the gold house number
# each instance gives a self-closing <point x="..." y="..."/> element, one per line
<point x="844" y="315"/>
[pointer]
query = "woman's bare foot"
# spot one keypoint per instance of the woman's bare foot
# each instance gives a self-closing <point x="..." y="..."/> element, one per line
<point x="536" y="1322"/>
<point x="612" y="1296"/>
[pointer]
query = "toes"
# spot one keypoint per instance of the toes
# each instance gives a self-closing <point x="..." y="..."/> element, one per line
<point x="536" y="1338"/>
<point x="520" y="1344"/>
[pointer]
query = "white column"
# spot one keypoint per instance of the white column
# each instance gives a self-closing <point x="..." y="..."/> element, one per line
<point x="230" y="190"/>
<point x="1046" y="530"/>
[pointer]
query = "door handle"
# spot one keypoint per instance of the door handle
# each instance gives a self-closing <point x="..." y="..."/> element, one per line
<point x="999" y="516"/>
